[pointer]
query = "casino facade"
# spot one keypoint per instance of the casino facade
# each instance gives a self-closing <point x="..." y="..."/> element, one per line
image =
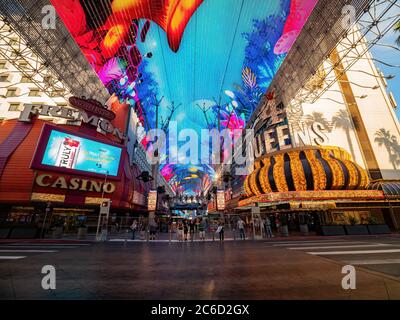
<point x="72" y="168"/>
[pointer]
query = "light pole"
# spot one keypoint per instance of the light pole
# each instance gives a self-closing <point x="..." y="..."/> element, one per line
<point x="102" y="197"/>
<point x="47" y="210"/>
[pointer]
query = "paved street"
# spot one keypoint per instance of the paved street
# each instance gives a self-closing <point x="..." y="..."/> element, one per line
<point x="270" y="269"/>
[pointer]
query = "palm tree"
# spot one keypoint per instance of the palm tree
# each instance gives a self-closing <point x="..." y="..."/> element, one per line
<point x="342" y="120"/>
<point x="384" y="137"/>
<point x="397" y="29"/>
<point x="318" y="117"/>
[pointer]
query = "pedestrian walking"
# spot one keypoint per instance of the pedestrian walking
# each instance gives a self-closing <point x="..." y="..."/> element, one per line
<point x="192" y="227"/>
<point x="202" y="229"/>
<point x="185" y="230"/>
<point x="153" y="230"/>
<point x="267" y="226"/>
<point x="103" y="235"/>
<point x="240" y="225"/>
<point x="180" y="230"/>
<point x="134" y="228"/>
<point x="220" y="231"/>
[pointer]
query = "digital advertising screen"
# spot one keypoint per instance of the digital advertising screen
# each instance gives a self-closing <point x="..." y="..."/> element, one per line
<point x="59" y="149"/>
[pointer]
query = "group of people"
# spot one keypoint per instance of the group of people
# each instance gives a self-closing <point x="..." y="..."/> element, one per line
<point x="265" y="224"/>
<point x="188" y="229"/>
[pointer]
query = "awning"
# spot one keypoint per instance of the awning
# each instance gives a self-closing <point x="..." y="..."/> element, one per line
<point x="313" y="205"/>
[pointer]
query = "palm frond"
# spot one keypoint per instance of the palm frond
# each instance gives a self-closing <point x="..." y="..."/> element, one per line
<point x="249" y="78"/>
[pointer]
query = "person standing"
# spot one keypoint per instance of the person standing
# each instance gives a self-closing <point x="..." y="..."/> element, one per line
<point x="180" y="230"/>
<point x="202" y="229"/>
<point x="267" y="226"/>
<point x="240" y="225"/>
<point x="103" y="235"/>
<point x="170" y="226"/>
<point x="153" y="230"/>
<point x="192" y="226"/>
<point x="133" y="228"/>
<point x="220" y="231"/>
<point x="185" y="230"/>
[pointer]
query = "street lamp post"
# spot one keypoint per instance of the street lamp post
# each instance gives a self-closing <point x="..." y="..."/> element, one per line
<point x="47" y="210"/>
<point x="102" y="197"/>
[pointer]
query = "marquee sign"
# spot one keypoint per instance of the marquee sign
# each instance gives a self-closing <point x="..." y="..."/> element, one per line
<point x="93" y="107"/>
<point x="97" y="121"/>
<point x="86" y="185"/>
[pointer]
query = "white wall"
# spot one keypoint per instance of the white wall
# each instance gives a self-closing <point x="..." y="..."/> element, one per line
<point x="376" y="112"/>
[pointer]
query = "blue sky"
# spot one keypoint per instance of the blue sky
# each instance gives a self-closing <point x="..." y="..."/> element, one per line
<point x="391" y="56"/>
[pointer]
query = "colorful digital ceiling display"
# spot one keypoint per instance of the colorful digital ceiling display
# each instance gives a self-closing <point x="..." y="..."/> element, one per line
<point x="207" y="60"/>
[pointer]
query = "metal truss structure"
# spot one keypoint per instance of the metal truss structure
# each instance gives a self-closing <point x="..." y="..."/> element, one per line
<point x="14" y="50"/>
<point x="58" y="63"/>
<point x="378" y="19"/>
<point x="320" y="35"/>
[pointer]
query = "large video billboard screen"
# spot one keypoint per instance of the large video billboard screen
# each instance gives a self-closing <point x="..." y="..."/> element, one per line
<point x="62" y="150"/>
<point x="215" y="59"/>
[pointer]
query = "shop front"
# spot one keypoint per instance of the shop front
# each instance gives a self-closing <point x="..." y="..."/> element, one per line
<point x="56" y="176"/>
<point x="316" y="190"/>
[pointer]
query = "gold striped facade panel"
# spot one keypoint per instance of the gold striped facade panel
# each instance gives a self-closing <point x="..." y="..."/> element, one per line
<point x="253" y="183"/>
<point x="321" y="161"/>
<point x="264" y="180"/>
<point x="317" y="169"/>
<point x="350" y="195"/>
<point x="338" y="153"/>
<point x="297" y="171"/>
<point x="279" y="173"/>
<point x="353" y="175"/>
<point x="364" y="181"/>
<point x="257" y="165"/>
<point x="338" y="180"/>
<point x="246" y="186"/>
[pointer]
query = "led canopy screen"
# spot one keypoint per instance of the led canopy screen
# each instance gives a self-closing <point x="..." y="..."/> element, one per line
<point x="212" y="60"/>
<point x="71" y="152"/>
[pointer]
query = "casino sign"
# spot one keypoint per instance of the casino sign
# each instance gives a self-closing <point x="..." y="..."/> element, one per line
<point x="61" y="182"/>
<point x="97" y="121"/>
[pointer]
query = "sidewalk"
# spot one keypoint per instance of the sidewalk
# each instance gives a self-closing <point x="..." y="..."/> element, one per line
<point x="229" y="236"/>
<point x="165" y="237"/>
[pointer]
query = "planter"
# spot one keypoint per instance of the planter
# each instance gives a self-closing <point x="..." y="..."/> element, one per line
<point x="304" y="229"/>
<point x="332" y="231"/>
<point x="284" y="230"/>
<point x="57" y="232"/>
<point x="82" y="232"/>
<point x="359" y="229"/>
<point x="378" y="229"/>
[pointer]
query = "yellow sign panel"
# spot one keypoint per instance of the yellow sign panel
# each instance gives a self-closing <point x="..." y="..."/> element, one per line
<point x="152" y="200"/>
<point x="220" y="200"/>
